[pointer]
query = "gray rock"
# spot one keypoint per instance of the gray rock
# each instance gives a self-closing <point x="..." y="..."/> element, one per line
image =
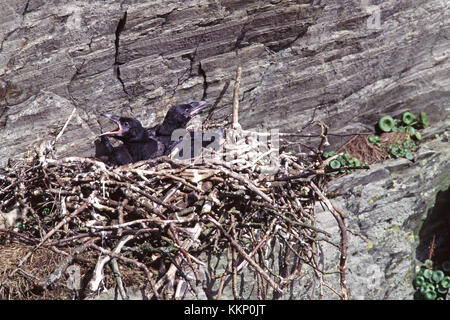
<point x="387" y="211"/>
<point x="344" y="62"/>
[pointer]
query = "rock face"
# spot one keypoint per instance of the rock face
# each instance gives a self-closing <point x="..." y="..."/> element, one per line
<point x="392" y="212"/>
<point x="341" y="61"/>
<point x="345" y="62"/>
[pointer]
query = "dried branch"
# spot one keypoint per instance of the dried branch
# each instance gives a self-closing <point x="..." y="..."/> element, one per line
<point x="237" y="85"/>
<point x="339" y="216"/>
<point x="164" y="216"/>
<point x="272" y="283"/>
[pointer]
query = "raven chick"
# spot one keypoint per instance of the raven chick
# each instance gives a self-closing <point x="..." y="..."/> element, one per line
<point x="177" y="117"/>
<point x="137" y="143"/>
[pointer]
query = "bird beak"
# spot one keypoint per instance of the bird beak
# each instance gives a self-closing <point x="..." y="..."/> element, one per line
<point x="198" y="107"/>
<point x="115" y="119"/>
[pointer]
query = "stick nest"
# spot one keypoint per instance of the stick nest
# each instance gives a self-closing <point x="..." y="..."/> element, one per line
<point x="159" y="224"/>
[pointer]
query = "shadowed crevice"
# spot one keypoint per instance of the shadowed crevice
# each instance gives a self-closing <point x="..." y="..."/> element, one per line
<point x="117" y="63"/>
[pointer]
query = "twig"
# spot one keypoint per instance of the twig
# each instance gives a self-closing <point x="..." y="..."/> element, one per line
<point x="97" y="276"/>
<point x="246" y="256"/>
<point x="247" y="182"/>
<point x="64" y="127"/>
<point x="64" y="264"/>
<point x="116" y="271"/>
<point x="47" y="236"/>
<point x="259" y="245"/>
<point x="338" y="215"/>
<point x="234" y="259"/>
<point x="121" y="216"/>
<point x="138" y="264"/>
<point x="237" y="85"/>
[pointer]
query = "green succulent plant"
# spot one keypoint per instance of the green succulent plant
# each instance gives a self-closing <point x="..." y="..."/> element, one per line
<point x="335" y="164"/>
<point x="344" y="161"/>
<point x="427" y="273"/>
<point x="408" y="118"/>
<point x="423" y="119"/>
<point x="428" y="263"/>
<point x="431" y="295"/>
<point x="386" y="123"/>
<point x="445" y="282"/>
<point x="437" y="276"/>
<point x="328" y="154"/>
<point x="419" y="281"/>
<point x="408" y="124"/>
<point x="418" y="135"/>
<point x="432" y="284"/>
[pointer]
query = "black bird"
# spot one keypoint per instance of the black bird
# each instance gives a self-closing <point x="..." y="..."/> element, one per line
<point x="177" y="117"/>
<point x="111" y="155"/>
<point x="137" y="143"/>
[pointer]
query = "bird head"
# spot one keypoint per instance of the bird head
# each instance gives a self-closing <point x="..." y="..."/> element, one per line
<point x="179" y="115"/>
<point x="128" y="129"/>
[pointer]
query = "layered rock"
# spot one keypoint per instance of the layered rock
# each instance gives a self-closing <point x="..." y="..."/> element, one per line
<point x="341" y="61"/>
<point x="393" y="211"/>
<point x="345" y="62"/>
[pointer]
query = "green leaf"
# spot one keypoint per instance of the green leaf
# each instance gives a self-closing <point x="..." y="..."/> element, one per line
<point x="424" y="119"/>
<point x="335" y="164"/>
<point x="342" y="161"/>
<point x="386" y="123"/>
<point x="357" y="162"/>
<point x="419" y="281"/>
<point x="418" y="135"/>
<point x="411" y="131"/>
<point x="408" y="118"/>
<point x="423" y="289"/>
<point x="441" y="289"/>
<point x="437" y="276"/>
<point x="409" y="156"/>
<point x="427" y="273"/>
<point x="396" y="151"/>
<point x="431" y="295"/>
<point x="445" y="283"/>
<point x="430" y="287"/>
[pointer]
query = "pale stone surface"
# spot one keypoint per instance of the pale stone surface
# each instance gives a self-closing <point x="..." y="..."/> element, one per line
<point x="345" y="62"/>
<point x="332" y="60"/>
<point x="387" y="211"/>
